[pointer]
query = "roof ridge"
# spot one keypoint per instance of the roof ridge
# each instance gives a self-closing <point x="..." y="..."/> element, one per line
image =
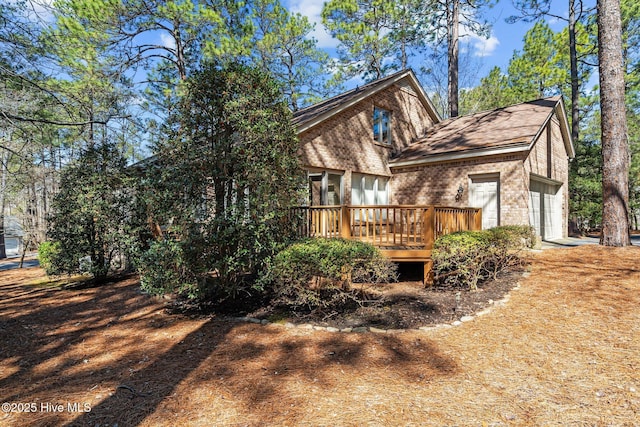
<point x="358" y="88"/>
<point x="506" y="106"/>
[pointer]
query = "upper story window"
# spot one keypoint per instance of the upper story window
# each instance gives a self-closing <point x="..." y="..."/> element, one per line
<point x="381" y="126"/>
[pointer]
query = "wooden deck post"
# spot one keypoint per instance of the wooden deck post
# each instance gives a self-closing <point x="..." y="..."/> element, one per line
<point x="428" y="238"/>
<point x="428" y="227"/>
<point x="428" y="272"/>
<point x="345" y="222"/>
<point x="477" y="220"/>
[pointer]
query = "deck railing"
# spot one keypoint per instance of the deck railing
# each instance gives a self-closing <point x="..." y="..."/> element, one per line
<point x="386" y="225"/>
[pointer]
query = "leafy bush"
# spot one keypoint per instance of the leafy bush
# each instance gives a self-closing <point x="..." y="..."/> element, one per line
<point x="95" y="218"/>
<point x="47" y="252"/>
<point x="467" y="258"/>
<point x="162" y="270"/>
<point x="225" y="178"/>
<point x="317" y="272"/>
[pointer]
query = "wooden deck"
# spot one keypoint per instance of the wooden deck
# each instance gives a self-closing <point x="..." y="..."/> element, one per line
<point x="404" y="233"/>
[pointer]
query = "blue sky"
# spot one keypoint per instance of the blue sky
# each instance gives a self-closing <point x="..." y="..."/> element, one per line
<point x="483" y="54"/>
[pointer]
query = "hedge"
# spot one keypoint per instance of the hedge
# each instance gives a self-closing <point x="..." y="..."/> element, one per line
<point x="315" y="272"/>
<point x="469" y="257"/>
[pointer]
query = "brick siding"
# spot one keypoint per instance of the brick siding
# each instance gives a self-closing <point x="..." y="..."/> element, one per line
<point x="437" y="184"/>
<point x="344" y="144"/>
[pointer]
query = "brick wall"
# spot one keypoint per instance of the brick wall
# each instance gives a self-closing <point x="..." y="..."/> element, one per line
<point x="437" y="184"/>
<point x="549" y="159"/>
<point x="344" y="143"/>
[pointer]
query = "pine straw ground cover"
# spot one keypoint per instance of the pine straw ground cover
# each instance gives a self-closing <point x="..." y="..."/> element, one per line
<point x="564" y="350"/>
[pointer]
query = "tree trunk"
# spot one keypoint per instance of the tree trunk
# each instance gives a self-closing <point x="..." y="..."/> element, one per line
<point x="615" y="146"/>
<point x="453" y="36"/>
<point x="3" y="187"/>
<point x="575" y="83"/>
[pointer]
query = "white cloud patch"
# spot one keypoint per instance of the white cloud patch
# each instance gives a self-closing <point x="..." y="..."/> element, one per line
<point x="167" y="41"/>
<point x="478" y="45"/>
<point x="312" y="9"/>
<point x="36" y="10"/>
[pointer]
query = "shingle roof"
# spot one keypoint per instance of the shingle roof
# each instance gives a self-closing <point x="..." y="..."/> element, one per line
<point x="513" y="126"/>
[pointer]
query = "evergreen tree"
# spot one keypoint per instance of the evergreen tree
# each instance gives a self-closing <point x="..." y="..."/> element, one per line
<point x="95" y="220"/>
<point x="446" y="20"/>
<point x="283" y="46"/>
<point x="535" y="73"/>
<point x="223" y="182"/>
<point x="376" y="36"/>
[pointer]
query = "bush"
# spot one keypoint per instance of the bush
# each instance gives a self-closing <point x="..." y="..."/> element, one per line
<point x="225" y="177"/>
<point x="47" y="253"/>
<point x="318" y="272"/>
<point x="467" y="258"/>
<point x="95" y="218"/>
<point x="162" y="270"/>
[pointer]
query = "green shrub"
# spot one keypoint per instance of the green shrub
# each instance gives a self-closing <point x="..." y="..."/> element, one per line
<point x="469" y="257"/>
<point x="317" y="272"/>
<point x="96" y="218"/>
<point x="162" y="270"/>
<point x="225" y="177"/>
<point x="47" y="252"/>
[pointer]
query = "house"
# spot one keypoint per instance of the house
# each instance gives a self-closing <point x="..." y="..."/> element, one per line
<point x="385" y="144"/>
<point x="13" y="235"/>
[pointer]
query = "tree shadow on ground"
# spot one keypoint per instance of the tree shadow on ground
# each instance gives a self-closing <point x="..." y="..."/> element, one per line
<point x="119" y="351"/>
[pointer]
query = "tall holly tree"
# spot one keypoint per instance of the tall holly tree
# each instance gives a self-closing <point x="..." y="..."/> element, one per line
<point x="95" y="220"/>
<point x="222" y="183"/>
<point x="615" y="145"/>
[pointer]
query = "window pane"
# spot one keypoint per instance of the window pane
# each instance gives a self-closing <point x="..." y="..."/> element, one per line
<point x="315" y="189"/>
<point x="385" y="127"/>
<point x="381" y="125"/>
<point x="356" y="190"/>
<point x="383" y="192"/>
<point x="369" y="193"/>
<point x="333" y="189"/>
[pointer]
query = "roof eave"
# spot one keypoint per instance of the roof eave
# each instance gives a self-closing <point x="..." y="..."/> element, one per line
<point x="561" y="112"/>
<point x="431" y="110"/>
<point x="445" y="157"/>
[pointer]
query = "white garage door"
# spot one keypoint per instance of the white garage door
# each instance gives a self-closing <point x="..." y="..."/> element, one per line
<point x="545" y="213"/>
<point x="484" y="192"/>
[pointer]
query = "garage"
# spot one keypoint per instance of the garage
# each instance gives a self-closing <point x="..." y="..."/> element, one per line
<point x="484" y="192"/>
<point x="545" y="208"/>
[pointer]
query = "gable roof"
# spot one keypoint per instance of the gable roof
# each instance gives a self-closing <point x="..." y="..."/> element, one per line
<point x="504" y="130"/>
<point x="308" y="117"/>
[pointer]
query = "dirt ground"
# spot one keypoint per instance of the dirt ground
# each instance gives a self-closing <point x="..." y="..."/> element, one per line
<point x="406" y="304"/>
<point x="563" y="350"/>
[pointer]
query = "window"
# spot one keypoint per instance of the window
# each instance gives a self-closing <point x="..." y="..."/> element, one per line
<point x="325" y="188"/>
<point x="381" y="126"/>
<point x="369" y="190"/>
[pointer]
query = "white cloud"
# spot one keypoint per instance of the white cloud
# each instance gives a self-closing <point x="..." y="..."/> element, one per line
<point x="312" y="9"/>
<point x="484" y="47"/>
<point x="167" y="41"/>
<point x="478" y="45"/>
